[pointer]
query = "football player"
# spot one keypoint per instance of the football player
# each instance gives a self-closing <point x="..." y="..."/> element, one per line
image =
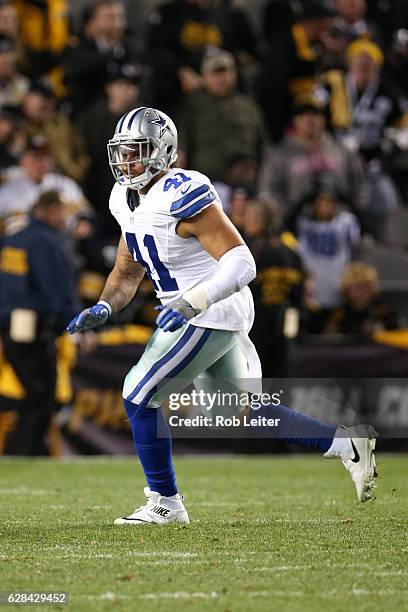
<point x="175" y="231"/>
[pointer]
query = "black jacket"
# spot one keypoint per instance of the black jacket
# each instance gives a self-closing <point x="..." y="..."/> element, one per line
<point x="289" y="69"/>
<point x="180" y="33"/>
<point x="87" y="67"/>
<point x="35" y="274"/>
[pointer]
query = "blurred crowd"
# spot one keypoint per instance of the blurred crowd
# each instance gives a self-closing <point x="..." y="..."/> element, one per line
<point x="300" y="119"/>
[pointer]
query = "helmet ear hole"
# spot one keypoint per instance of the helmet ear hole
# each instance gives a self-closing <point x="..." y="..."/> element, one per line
<point x="160" y="164"/>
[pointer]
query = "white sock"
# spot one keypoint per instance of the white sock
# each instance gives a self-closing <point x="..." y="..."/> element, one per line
<point x="341" y="445"/>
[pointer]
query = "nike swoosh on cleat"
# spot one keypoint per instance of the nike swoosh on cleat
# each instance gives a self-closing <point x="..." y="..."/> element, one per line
<point x="185" y="190"/>
<point x="356" y="457"/>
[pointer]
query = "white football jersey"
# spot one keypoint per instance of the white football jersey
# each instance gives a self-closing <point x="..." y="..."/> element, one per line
<point x="326" y="249"/>
<point x="172" y="263"/>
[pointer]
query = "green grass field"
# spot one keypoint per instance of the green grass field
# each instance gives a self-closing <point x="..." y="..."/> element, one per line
<point x="279" y="533"/>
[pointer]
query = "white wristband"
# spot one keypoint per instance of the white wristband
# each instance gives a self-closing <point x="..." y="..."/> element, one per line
<point x="107" y="305"/>
<point x="197" y="297"/>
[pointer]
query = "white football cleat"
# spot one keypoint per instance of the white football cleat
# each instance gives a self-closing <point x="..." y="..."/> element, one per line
<point x="158" y="510"/>
<point x="362" y="466"/>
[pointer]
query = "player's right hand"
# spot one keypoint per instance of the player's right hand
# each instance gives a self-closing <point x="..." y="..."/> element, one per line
<point x="89" y="319"/>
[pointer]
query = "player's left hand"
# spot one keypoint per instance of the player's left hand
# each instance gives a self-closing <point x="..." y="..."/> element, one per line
<point x="175" y="314"/>
<point x="90" y="318"/>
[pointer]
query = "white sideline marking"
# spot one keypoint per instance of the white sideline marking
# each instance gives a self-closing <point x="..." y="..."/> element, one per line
<point x="145" y="563"/>
<point x="328" y="595"/>
<point x="109" y="596"/>
<point x="181" y="595"/>
<point x="165" y="554"/>
<point x="313" y="521"/>
<point x="384" y="592"/>
<point x="131" y="554"/>
<point x="276" y="593"/>
<point x="282" y="568"/>
<point x="356" y="566"/>
<point x="396" y="573"/>
<point x="334" y="593"/>
<point x="166" y="561"/>
<point x="72" y="551"/>
<point x="23" y="491"/>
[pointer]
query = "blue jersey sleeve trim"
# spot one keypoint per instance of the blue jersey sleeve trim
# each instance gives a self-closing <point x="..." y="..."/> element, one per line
<point x="189" y="198"/>
<point x="196" y="207"/>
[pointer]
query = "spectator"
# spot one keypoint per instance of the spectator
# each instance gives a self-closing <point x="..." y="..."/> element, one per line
<point x="103" y="45"/>
<point x="13" y="86"/>
<point x="239" y="179"/>
<point x="352" y="21"/>
<point x="396" y="67"/>
<point x="180" y="34"/>
<point x="44" y="34"/>
<point x="218" y="123"/>
<point x="12" y="139"/>
<point x="291" y="64"/>
<point x="308" y="157"/>
<point x="278" y="285"/>
<point x="97" y="124"/>
<point x="362" y="106"/>
<point x="396" y="74"/>
<point x="349" y="25"/>
<point x="34" y="176"/>
<point x="327" y="239"/>
<point x="362" y="313"/>
<point x="10" y="26"/>
<point x="66" y="145"/>
<point x="9" y="23"/>
<point x="389" y="16"/>
<point x="36" y="302"/>
<point x="278" y="16"/>
<point x="238" y="202"/>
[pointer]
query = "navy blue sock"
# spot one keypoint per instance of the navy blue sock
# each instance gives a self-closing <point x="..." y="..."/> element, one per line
<point x="154" y="452"/>
<point x="298" y="428"/>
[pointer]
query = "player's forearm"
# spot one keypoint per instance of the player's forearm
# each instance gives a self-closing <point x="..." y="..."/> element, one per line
<point x="119" y="291"/>
<point x="237" y="269"/>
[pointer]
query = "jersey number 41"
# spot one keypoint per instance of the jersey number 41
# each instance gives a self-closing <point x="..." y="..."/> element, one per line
<point x="165" y="282"/>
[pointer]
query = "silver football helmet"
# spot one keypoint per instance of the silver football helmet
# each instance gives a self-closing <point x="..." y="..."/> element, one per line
<point x="144" y="135"/>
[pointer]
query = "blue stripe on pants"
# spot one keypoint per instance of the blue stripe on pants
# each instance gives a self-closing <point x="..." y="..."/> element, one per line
<point x="173" y="351"/>
<point x="187" y="359"/>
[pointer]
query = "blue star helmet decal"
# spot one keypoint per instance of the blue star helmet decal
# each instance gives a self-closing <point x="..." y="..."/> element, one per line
<point x="158" y="120"/>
